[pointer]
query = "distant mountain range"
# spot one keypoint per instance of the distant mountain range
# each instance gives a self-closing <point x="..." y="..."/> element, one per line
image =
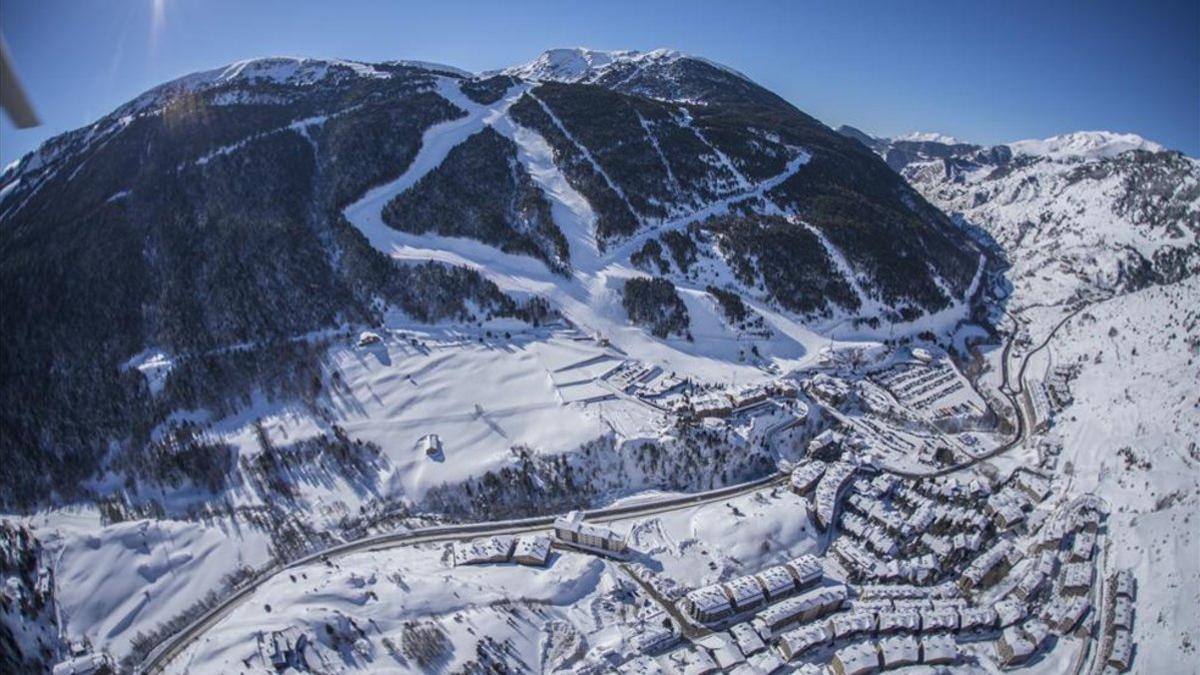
<point x="1091" y="211"/>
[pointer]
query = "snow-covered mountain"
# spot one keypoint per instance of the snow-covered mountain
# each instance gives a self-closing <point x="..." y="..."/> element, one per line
<point x="591" y="66"/>
<point x="287" y="304"/>
<point x="1087" y="212"/>
<point x="282" y="186"/>
<point x="1084" y="145"/>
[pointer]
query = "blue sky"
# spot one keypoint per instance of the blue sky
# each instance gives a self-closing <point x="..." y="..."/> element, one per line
<point x="988" y="72"/>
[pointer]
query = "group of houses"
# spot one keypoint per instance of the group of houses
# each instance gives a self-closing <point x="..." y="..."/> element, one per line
<point x="826" y="483"/>
<point x="1118" y="626"/>
<point x="1052" y="592"/>
<point x="721" y="403"/>
<point x="716" y="602"/>
<point x="531" y="550"/>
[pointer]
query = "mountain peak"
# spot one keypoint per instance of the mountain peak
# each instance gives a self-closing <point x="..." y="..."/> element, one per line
<point x="1084" y="145"/>
<point x="580" y="64"/>
<point x="929" y="137"/>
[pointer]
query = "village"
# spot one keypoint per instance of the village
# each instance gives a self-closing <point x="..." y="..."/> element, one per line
<point x="917" y="551"/>
<point x="916" y="565"/>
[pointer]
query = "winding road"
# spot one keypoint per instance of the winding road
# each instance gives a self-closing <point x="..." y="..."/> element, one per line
<point x="162" y="656"/>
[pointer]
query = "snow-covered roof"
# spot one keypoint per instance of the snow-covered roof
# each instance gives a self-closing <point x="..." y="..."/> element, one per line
<point x="1126" y="584"/>
<point x="709" y="599"/>
<point x="1017" y="642"/>
<point x="1036" y="629"/>
<point x="777" y="581"/>
<point x="535" y="547"/>
<point x="806" y="568"/>
<point x="691" y="661"/>
<point x="858" y="657"/>
<point x="938" y="647"/>
<point x="573" y="522"/>
<point x="899" y="650"/>
<point x="807" y="474"/>
<point x="747" y="640"/>
<point x="939" y="619"/>
<point x="1077" y="575"/>
<point x="82" y="665"/>
<point x="805" y="637"/>
<point x="1010" y="611"/>
<point x="899" y="620"/>
<point x="492" y="549"/>
<point x="977" y="617"/>
<point x="852" y="623"/>
<point x="745" y="592"/>
<point x="818" y="598"/>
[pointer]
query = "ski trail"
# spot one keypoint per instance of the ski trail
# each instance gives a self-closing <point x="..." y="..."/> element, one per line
<point x="436" y="143"/>
<point x="661" y="157"/>
<point x="868" y="304"/>
<point x="743" y="182"/>
<point x="572" y="213"/>
<point x="588" y="155"/>
<point x="625" y="248"/>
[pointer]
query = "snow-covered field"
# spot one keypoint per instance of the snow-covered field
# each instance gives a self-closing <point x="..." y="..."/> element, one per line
<point x="592" y="605"/>
<point x="1132" y="436"/>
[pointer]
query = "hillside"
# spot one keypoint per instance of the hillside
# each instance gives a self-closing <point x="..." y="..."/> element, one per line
<point x="222" y="194"/>
<point x="1085" y="213"/>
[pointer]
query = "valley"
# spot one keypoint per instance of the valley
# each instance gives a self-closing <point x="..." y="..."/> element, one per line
<point x="832" y="403"/>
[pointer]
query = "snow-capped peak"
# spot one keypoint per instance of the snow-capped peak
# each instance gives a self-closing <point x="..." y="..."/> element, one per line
<point x="929" y="137"/>
<point x="1084" y="145"/>
<point x="579" y="64"/>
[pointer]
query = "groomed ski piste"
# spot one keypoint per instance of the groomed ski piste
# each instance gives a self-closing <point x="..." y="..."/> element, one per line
<point x="590" y="297"/>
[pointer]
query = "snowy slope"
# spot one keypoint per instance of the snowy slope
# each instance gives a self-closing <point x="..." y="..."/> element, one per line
<point x="1131" y="436"/>
<point x="1081" y="145"/>
<point x="579" y="64"/>
<point x="1090" y="217"/>
<point x="1075" y="213"/>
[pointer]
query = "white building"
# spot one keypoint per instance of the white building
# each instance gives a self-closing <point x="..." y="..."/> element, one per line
<point x="707" y="604"/>
<point x="898" y="651"/>
<point x="747" y="640"/>
<point x="777" y="582"/>
<point x="805" y="607"/>
<point x="899" y="621"/>
<point x="849" y="624"/>
<point x="570" y="529"/>
<point x="745" y="593"/>
<point x="1077" y="577"/>
<point x="1121" y="654"/>
<point x="939" y="620"/>
<point x="483" y="551"/>
<point x="805" y="476"/>
<point x="795" y="642"/>
<point x="977" y="618"/>
<point x="856" y="659"/>
<point x="692" y="661"/>
<point x="532" y="550"/>
<point x="938" y="650"/>
<point x="85" y="664"/>
<point x="806" y="570"/>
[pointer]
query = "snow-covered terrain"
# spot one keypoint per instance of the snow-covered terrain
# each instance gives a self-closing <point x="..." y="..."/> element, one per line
<point x="411" y="424"/>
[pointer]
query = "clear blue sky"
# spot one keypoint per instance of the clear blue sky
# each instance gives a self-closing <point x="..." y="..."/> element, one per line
<point x="989" y="72"/>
